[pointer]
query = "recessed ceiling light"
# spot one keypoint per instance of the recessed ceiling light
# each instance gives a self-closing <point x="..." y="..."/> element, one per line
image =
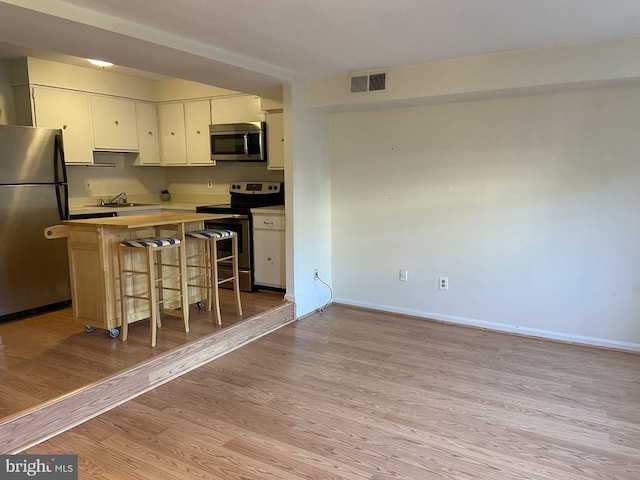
<point x="99" y="63"/>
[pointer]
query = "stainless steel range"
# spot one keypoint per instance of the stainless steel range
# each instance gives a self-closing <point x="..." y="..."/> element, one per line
<point x="244" y="197"/>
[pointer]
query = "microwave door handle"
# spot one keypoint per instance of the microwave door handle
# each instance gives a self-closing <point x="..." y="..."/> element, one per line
<point x="246" y="144"/>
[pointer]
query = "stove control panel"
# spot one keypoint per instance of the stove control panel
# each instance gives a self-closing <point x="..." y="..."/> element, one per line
<point x="255" y="188"/>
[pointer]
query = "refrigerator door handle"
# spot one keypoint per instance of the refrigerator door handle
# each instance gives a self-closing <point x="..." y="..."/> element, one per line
<point x="63" y="201"/>
<point x="59" y="166"/>
<point x="58" y="162"/>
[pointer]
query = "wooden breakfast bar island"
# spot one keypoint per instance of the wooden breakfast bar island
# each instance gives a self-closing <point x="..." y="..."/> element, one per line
<point x="94" y="245"/>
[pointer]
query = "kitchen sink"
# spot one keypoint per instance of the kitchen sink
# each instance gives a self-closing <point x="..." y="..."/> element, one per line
<point x="120" y="205"/>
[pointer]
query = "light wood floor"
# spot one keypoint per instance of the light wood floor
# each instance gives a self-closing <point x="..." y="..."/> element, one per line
<point x="354" y="394"/>
<point x="47" y="355"/>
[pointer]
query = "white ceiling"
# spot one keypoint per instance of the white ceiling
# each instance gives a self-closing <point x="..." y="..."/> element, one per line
<point x="313" y="38"/>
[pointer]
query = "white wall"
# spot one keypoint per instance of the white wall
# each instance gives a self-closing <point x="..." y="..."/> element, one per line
<point x="539" y="70"/>
<point x="193" y="180"/>
<point x="185" y="183"/>
<point x="109" y="181"/>
<point x="529" y="205"/>
<point x="7" y="108"/>
<point x="172" y="89"/>
<point x="36" y="71"/>
<point x="308" y="200"/>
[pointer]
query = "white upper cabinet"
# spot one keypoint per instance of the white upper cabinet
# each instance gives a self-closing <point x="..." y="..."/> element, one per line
<point x="275" y="141"/>
<point x="184" y="132"/>
<point x="165" y="125"/>
<point x="148" y="137"/>
<point x="71" y="112"/>
<point x="240" y="109"/>
<point x="172" y="133"/>
<point x="114" y="124"/>
<point x="197" y="118"/>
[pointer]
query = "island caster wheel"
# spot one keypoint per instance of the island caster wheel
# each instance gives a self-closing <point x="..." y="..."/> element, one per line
<point x="89" y="328"/>
<point x="200" y="305"/>
<point x="114" y="332"/>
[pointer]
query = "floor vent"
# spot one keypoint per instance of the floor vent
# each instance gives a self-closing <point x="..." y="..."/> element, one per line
<point x="374" y="82"/>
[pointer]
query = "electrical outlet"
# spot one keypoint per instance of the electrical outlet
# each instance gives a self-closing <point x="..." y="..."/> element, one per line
<point x="315" y="274"/>
<point x="443" y="283"/>
<point x="87" y="185"/>
<point x="209" y="182"/>
<point x="403" y="275"/>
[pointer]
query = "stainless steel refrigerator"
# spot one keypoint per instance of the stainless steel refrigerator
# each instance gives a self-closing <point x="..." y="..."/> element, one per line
<point x="34" y="271"/>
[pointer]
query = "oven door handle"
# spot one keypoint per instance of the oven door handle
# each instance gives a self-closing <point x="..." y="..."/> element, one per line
<point x="246" y="144"/>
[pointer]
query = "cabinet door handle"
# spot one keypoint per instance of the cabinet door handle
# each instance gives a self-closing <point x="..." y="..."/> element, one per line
<point x="268" y="224"/>
<point x="116" y="122"/>
<point x="150" y="133"/>
<point x="172" y="133"/>
<point x="198" y="132"/>
<point x="64" y="127"/>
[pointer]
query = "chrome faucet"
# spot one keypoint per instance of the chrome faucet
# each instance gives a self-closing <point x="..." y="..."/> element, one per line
<point x="121" y="195"/>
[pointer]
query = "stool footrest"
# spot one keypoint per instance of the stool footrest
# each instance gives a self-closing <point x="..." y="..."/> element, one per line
<point x="165" y="300"/>
<point x="167" y="277"/>
<point x="151" y="253"/>
<point x="208" y="259"/>
<point x="142" y="296"/>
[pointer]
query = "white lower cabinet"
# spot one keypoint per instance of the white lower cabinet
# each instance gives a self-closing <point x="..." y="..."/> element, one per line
<point x="269" y="250"/>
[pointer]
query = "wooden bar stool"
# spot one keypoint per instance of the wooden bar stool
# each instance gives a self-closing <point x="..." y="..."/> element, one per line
<point x="158" y="273"/>
<point x="206" y="269"/>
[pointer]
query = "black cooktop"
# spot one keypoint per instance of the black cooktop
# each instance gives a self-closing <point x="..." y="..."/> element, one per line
<point x="247" y="195"/>
<point x="232" y="208"/>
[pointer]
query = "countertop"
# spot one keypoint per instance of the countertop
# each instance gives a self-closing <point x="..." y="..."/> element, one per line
<point x="146" y="220"/>
<point x="161" y="206"/>
<point x="152" y="208"/>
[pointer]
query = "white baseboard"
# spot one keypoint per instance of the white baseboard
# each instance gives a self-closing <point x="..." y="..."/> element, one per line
<point x="500" y="327"/>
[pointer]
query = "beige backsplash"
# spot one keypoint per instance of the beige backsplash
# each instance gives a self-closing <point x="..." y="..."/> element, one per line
<point x="143" y="184"/>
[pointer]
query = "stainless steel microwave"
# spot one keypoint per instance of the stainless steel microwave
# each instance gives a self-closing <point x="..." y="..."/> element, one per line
<point x="240" y="142"/>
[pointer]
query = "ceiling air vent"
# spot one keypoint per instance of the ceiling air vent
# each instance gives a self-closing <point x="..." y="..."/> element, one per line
<point x="374" y="82"/>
